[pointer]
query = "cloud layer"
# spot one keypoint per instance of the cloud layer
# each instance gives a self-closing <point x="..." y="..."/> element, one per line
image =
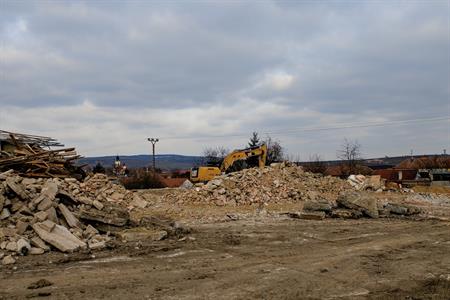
<point x="104" y="76"/>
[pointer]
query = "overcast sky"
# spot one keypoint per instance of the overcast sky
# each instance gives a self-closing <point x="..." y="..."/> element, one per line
<point x="103" y="76"/>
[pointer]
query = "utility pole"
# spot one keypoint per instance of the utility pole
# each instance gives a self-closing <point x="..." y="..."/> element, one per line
<point x="153" y="141"/>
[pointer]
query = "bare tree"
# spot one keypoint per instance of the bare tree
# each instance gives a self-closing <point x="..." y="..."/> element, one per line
<point x="350" y="152"/>
<point x="275" y="152"/>
<point x="214" y="155"/>
<point x="315" y="164"/>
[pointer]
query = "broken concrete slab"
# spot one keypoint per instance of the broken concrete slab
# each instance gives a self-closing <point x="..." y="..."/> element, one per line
<point x="90" y="231"/>
<point x="48" y="225"/>
<point x="319" y="205"/>
<point x="39" y="243"/>
<point x="68" y="216"/>
<point x="45" y="204"/>
<point x="41" y="216"/>
<point x="48" y="194"/>
<point x="138" y="202"/>
<point x="51" y="215"/>
<point x="96" y="245"/>
<point x="21" y="227"/>
<point x="402" y="209"/>
<point x="36" y="251"/>
<point x="59" y="237"/>
<point x="97" y="204"/>
<point x="17" y="188"/>
<point x="361" y="201"/>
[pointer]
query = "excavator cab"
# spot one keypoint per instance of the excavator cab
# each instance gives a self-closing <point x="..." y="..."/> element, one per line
<point x="203" y="174"/>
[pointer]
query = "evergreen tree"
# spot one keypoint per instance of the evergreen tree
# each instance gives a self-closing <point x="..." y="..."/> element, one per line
<point x="99" y="168"/>
<point x="254" y="140"/>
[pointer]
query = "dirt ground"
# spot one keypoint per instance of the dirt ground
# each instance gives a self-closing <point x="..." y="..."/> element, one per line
<point x="255" y="258"/>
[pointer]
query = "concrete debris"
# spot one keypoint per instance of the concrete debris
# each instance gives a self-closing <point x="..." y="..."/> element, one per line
<point x="402" y="209"/>
<point x="141" y="233"/>
<point x="36" y="251"/>
<point x="363" y="183"/>
<point x="4" y="214"/>
<point x="363" y="202"/>
<point x="44" y="214"/>
<point x="11" y="246"/>
<point x="343" y="213"/>
<point x="277" y="184"/>
<point x="320" y="205"/>
<point x="187" y="185"/>
<point x="59" y="237"/>
<point x="98" y="205"/>
<point x="17" y="188"/>
<point x="68" y="216"/>
<point x="39" y="243"/>
<point x="358" y="204"/>
<point x="138" y="202"/>
<point x="8" y="260"/>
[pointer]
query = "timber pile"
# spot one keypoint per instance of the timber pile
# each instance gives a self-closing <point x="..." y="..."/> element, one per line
<point x="276" y="184"/>
<point x="27" y="155"/>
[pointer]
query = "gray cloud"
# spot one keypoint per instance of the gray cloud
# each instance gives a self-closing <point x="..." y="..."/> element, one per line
<point x="92" y="72"/>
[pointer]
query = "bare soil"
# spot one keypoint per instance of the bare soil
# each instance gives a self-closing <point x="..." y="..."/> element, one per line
<point x="256" y="258"/>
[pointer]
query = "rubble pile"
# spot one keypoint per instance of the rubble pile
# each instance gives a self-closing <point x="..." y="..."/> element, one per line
<point x="32" y="156"/>
<point x="358" y="204"/>
<point x="41" y="214"/>
<point x="275" y="184"/>
<point x="100" y="188"/>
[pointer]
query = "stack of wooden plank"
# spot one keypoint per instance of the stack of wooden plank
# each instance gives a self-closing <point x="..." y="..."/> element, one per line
<point x="33" y="156"/>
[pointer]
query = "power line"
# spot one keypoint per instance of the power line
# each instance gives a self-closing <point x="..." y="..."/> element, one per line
<point x="309" y="129"/>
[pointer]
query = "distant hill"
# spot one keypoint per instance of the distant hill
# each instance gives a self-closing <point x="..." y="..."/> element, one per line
<point x="184" y="162"/>
<point x="163" y="161"/>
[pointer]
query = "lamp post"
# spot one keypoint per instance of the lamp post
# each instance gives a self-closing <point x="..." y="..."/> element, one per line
<point x="153" y="141"/>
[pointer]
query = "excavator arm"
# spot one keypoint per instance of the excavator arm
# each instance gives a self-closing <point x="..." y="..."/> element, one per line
<point x="237" y="155"/>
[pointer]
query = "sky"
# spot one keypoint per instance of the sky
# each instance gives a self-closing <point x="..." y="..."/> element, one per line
<point x="103" y="76"/>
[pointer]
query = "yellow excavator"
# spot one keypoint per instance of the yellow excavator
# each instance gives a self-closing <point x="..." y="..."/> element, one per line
<point x="235" y="161"/>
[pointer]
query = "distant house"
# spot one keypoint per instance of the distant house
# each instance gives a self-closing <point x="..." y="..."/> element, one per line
<point x="427" y="170"/>
<point x="342" y="171"/>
